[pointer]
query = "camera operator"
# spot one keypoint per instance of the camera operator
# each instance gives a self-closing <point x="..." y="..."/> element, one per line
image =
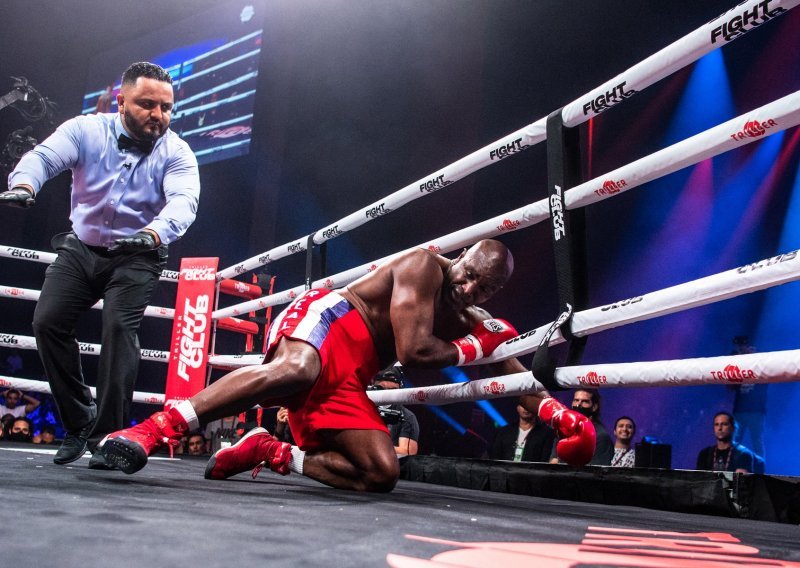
<point x="401" y="422"/>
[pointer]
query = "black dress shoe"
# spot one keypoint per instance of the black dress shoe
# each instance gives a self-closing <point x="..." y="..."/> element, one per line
<point x="73" y="446"/>
<point x="98" y="461"/>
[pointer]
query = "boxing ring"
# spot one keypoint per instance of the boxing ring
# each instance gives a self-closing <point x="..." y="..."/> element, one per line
<point x="566" y="197"/>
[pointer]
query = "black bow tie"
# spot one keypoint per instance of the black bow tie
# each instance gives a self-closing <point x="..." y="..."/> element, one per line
<point x="126" y="143"/>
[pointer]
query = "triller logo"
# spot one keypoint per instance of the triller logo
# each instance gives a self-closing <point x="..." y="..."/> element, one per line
<point x="419" y="395"/>
<point x="733" y="374"/>
<point x="610" y="187"/>
<point x="494" y="387"/>
<point x="592" y="378"/>
<point x="509" y="225"/>
<point x="754" y="129"/>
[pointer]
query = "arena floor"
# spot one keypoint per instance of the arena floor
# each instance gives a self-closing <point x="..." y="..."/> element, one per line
<point x="168" y="515"/>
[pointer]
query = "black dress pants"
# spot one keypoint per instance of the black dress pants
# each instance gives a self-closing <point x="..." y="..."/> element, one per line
<point x="80" y="276"/>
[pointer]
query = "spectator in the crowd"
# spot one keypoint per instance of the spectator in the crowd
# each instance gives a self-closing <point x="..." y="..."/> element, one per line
<point x="21" y="430"/>
<point x="401" y="422"/>
<point x="725" y="454"/>
<point x="526" y="439"/>
<point x="587" y="402"/>
<point x="5" y="423"/>
<point x="47" y="435"/>
<point x="282" y="430"/>
<point x="13" y="403"/>
<point x="196" y="444"/>
<point x="223" y="433"/>
<point x="624" y="453"/>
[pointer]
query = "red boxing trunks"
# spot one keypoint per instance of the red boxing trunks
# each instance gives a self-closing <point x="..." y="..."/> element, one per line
<point x="338" y="401"/>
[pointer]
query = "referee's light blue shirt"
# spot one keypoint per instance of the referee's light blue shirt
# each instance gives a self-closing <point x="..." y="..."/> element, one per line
<point x="116" y="193"/>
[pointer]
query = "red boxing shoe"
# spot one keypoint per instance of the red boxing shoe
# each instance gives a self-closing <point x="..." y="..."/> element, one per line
<point x="128" y="449"/>
<point x="255" y="450"/>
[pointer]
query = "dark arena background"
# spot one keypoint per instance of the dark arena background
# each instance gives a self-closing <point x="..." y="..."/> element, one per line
<point x="305" y="111"/>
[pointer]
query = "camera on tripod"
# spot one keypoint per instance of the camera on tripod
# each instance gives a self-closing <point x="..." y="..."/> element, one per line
<point x="390" y="413"/>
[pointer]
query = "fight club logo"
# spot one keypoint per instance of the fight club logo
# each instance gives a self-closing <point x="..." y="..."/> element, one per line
<point x="434" y="248"/>
<point x="419" y="396"/>
<point x="745" y="21"/>
<point x="754" y="129"/>
<point x="198" y="273"/>
<point x="733" y="374"/>
<point x="601" y="546"/>
<point x="87" y="348"/>
<point x="164" y="311"/>
<point x="433" y="184"/>
<point x="592" y="378"/>
<point x="495" y="388"/>
<point x="610" y="187"/>
<point x="155" y="354"/>
<point x="291" y="295"/>
<point x="785" y="257"/>
<point x="332" y="232"/>
<point x="557" y="213"/>
<point x="372" y="267"/>
<point x="525" y="335"/>
<point x="152" y="400"/>
<point x="22" y="253"/>
<point x="170" y="274"/>
<point x="608" y="99"/>
<point x="263" y="259"/>
<point x="621" y="304"/>
<point x="6" y="339"/>
<point x="377" y="211"/>
<point x="508" y="225"/>
<point x="507" y="150"/>
<point x="293" y="248"/>
<point x="329" y="283"/>
<point x="14" y="291"/>
<point x="193" y="336"/>
<point x="239" y="269"/>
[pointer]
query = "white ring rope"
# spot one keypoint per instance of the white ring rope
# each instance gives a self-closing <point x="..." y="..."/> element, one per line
<point x="27" y="342"/>
<point x="716" y="33"/>
<point x="27" y="294"/>
<point x="753" y="368"/>
<point x="753" y="277"/>
<point x="769" y="119"/>
<point x="49" y="258"/>
<point x="44" y="388"/>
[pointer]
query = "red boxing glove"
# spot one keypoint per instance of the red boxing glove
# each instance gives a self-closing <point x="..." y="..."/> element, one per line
<point x="483" y="339"/>
<point x="575" y="432"/>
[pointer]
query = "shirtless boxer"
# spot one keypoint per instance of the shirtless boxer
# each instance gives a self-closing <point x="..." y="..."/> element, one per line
<point x="419" y="308"/>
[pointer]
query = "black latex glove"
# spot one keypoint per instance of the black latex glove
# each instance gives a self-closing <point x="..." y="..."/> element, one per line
<point x="143" y="240"/>
<point x="17" y="197"/>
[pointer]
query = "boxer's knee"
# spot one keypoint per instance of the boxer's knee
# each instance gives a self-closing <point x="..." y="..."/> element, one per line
<point x="383" y="477"/>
